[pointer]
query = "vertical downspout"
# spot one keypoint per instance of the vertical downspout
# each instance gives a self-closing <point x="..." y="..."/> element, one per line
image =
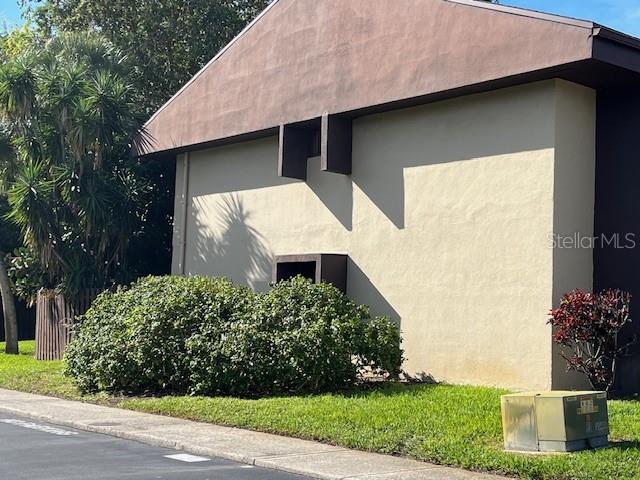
<point x="185" y="212"/>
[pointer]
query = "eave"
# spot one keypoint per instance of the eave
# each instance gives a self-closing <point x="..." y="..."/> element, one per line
<point x="302" y="59"/>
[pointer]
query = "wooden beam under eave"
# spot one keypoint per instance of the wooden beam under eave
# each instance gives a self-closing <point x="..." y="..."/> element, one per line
<point x="336" y="144"/>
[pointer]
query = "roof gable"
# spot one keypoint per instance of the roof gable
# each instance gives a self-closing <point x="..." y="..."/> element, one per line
<point x="303" y="58"/>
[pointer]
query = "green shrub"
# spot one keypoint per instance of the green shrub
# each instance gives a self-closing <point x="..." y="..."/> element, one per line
<point x="206" y="336"/>
<point x="379" y="347"/>
<point x="134" y="340"/>
<point x="27" y="274"/>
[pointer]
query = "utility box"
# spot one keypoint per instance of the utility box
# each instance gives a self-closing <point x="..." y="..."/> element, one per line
<point x="557" y="421"/>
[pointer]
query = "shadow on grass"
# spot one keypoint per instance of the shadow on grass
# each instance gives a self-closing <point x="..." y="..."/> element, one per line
<point x="392" y="389"/>
<point x="624" y="445"/>
<point x="628" y="398"/>
<point x="362" y="390"/>
<point x="384" y="388"/>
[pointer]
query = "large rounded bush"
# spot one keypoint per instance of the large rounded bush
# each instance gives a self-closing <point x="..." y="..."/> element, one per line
<point x="206" y="336"/>
<point x="134" y="339"/>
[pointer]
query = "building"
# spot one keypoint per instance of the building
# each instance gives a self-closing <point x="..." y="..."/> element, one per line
<point x="424" y="155"/>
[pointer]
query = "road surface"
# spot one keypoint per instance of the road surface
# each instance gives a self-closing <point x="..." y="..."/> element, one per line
<point x="35" y="450"/>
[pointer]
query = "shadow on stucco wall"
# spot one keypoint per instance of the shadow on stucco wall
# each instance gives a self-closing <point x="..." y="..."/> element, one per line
<point x="335" y="191"/>
<point x="362" y="290"/>
<point x="388" y="145"/>
<point x="617" y="213"/>
<point x="235" y="246"/>
<point x="236" y="250"/>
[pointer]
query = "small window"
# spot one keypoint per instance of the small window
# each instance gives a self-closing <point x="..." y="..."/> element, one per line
<point x="289" y="270"/>
<point x="318" y="267"/>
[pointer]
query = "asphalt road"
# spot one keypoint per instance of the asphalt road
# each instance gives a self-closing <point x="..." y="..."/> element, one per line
<point x="35" y="450"/>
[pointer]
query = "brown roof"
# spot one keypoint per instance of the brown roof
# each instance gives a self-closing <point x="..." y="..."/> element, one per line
<point x="302" y="58"/>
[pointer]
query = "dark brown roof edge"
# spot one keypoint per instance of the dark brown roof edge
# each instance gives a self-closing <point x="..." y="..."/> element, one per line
<point x="598" y="30"/>
<point x="482" y="87"/>
<point x="524" y="12"/>
<point x="616" y="36"/>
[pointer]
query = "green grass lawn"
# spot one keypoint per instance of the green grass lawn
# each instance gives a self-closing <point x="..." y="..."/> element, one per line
<point x="446" y="424"/>
<point x="23" y="372"/>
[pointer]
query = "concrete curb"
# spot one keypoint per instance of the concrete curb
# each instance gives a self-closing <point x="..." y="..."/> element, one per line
<point x="312" y="459"/>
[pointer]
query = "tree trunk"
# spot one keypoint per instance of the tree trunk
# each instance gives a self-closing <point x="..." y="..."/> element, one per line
<point x="8" y="310"/>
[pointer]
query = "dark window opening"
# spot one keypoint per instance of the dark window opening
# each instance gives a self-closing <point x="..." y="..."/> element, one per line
<point x="314" y="148"/>
<point x="318" y="267"/>
<point x="298" y="142"/>
<point x="289" y="270"/>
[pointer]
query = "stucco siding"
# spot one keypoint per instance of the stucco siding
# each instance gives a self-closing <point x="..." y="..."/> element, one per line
<point x="445" y="219"/>
<point x="574" y="203"/>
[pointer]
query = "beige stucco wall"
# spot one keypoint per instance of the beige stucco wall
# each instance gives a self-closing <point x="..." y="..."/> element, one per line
<point x="574" y="194"/>
<point x="445" y="219"/>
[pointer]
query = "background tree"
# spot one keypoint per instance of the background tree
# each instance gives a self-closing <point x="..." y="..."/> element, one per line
<point x="11" y="45"/>
<point x="168" y="41"/>
<point x="71" y="107"/>
<point x="73" y="178"/>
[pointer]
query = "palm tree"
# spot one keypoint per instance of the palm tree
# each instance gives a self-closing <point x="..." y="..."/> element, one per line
<point x="72" y="110"/>
<point x="8" y="310"/>
<point x="8" y="239"/>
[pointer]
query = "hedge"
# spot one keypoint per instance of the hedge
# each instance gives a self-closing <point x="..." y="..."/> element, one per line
<point x="207" y="336"/>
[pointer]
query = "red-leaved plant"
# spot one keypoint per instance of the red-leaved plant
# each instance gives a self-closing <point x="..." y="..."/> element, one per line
<point x="588" y="324"/>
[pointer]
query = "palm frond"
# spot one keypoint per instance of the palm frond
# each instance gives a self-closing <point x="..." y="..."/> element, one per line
<point x="18" y="90"/>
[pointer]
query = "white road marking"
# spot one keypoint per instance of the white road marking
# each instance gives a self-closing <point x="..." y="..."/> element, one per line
<point x="185" y="457"/>
<point x="36" y="426"/>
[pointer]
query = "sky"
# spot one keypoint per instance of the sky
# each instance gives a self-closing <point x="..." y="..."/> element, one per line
<point x="9" y="13"/>
<point x="623" y="15"/>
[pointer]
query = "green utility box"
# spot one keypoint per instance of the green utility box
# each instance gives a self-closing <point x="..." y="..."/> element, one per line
<point x="556" y="421"/>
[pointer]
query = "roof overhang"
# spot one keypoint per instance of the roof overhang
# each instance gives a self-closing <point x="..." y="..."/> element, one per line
<point x="301" y="59"/>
